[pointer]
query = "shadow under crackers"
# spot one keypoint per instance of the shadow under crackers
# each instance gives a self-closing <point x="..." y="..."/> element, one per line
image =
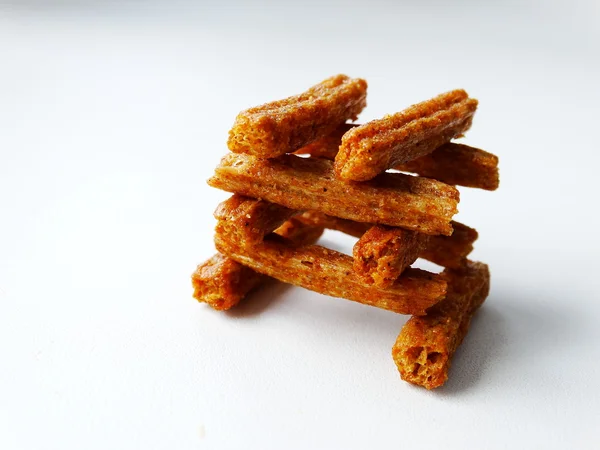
<point x="259" y="300"/>
<point x="321" y="311"/>
<point x="502" y="331"/>
<point x="314" y="310"/>
<point x="486" y="340"/>
<point x="509" y="322"/>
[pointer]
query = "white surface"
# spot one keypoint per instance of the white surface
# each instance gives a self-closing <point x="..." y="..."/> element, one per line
<point x="111" y="120"/>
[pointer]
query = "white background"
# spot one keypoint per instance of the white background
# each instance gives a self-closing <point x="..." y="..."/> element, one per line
<point x="111" y="119"/>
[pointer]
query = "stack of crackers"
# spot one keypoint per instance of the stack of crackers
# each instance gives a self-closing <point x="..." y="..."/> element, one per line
<point x="297" y="166"/>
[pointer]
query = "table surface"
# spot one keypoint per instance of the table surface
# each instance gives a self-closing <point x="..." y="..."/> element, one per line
<point x="112" y="118"/>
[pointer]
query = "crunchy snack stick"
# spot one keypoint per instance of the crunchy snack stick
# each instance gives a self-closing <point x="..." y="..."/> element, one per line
<point x="425" y="346"/>
<point x="454" y="164"/>
<point x="299" y="231"/>
<point x="446" y="251"/>
<point x="382" y="253"/>
<point x="381" y="144"/>
<point x="450" y="251"/>
<point x="252" y="219"/>
<point x="326" y="271"/>
<point x="286" y="125"/>
<point x="415" y="203"/>
<point x="457" y="164"/>
<point x="223" y="283"/>
<point x="329" y="272"/>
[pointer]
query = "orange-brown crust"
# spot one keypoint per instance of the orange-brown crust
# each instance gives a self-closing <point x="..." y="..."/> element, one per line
<point x="446" y="251"/>
<point x="252" y="219"/>
<point x="414" y="203"/>
<point x="329" y="272"/>
<point x="383" y="253"/>
<point x="425" y="346"/>
<point x="222" y="282"/>
<point x="451" y="251"/>
<point x="458" y="164"/>
<point x="381" y="144"/>
<point x="454" y="164"/>
<point x="298" y="231"/>
<point x="286" y="125"/>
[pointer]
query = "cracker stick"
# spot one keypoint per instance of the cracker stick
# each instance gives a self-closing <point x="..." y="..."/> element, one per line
<point x="383" y="253"/>
<point x="252" y="219"/>
<point x="381" y="144"/>
<point x="446" y="251"/>
<point x="329" y="272"/>
<point x="414" y="203"/>
<point x="223" y="283"/>
<point x="425" y="346"/>
<point x="454" y="164"/>
<point x="457" y="164"/>
<point x="450" y="251"/>
<point x="299" y="231"/>
<point x="286" y="125"/>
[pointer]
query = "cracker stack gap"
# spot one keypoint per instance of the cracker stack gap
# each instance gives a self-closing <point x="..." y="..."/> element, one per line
<point x="282" y="202"/>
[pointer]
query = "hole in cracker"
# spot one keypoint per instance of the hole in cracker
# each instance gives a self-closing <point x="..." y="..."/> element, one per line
<point x="415" y="371"/>
<point x="433" y="357"/>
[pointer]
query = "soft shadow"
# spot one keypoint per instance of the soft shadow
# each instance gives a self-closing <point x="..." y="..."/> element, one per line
<point x="259" y="299"/>
<point x="501" y="335"/>
<point x="485" y="340"/>
<point x="501" y="332"/>
<point x="313" y="311"/>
